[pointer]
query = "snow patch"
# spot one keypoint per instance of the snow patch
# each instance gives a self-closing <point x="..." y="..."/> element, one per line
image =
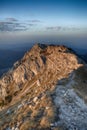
<point x="72" y="109"/>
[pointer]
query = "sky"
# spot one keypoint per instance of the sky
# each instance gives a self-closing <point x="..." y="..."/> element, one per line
<point x="47" y="21"/>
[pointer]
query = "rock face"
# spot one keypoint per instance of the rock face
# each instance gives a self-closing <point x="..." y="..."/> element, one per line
<point x="45" y="90"/>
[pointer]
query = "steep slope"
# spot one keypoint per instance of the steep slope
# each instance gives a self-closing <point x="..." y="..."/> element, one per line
<point x="45" y="90"/>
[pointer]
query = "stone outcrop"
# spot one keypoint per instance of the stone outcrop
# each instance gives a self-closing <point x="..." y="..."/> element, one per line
<point x="36" y="91"/>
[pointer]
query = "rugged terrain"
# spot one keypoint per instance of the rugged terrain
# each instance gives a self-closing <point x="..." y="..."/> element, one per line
<point x="45" y="90"/>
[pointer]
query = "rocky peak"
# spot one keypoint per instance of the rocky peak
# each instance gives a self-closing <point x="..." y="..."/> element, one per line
<point x="31" y="85"/>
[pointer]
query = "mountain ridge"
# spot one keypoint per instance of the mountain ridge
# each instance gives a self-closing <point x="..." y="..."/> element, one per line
<point x="31" y="86"/>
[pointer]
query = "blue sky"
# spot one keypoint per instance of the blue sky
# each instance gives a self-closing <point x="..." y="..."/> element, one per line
<point x="43" y="20"/>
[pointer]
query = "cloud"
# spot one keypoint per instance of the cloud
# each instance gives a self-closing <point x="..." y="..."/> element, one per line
<point x="60" y="28"/>
<point x="34" y="21"/>
<point x="20" y="29"/>
<point x="31" y="24"/>
<point x="11" y="19"/>
<point x="12" y="26"/>
<point x="54" y="28"/>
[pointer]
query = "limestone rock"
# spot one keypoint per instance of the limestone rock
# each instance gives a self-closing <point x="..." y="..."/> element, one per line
<point x="45" y="90"/>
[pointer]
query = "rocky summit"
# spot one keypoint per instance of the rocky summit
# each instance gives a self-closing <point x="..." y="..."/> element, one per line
<point x="45" y="90"/>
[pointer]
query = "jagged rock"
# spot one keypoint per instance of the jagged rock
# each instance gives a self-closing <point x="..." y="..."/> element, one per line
<point x="45" y="89"/>
<point x="35" y="99"/>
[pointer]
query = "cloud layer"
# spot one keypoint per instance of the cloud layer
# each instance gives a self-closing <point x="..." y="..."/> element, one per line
<point x="11" y="19"/>
<point x="12" y="24"/>
<point x="60" y="28"/>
